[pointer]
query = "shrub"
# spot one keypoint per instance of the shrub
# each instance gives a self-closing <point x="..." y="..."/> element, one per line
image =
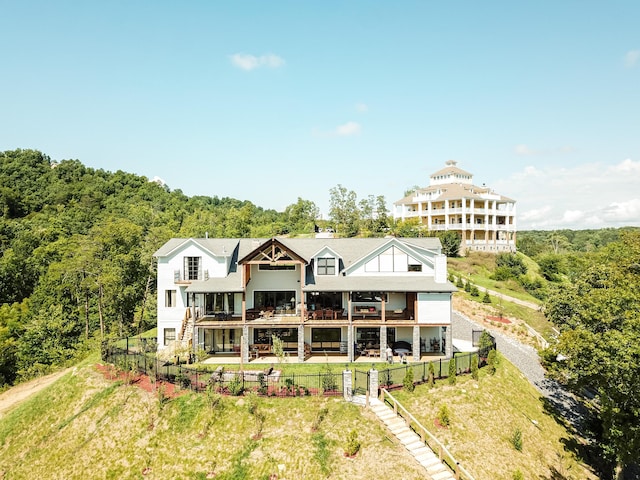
<point x="474" y="291"/>
<point x="452" y="371"/>
<point x="235" y="386"/>
<point x="518" y="475"/>
<point x="516" y="439"/>
<point x="486" y="298"/>
<point x="474" y="367"/>
<point x="444" y="416"/>
<point x="407" y="381"/>
<point x="213" y="398"/>
<point x="320" y="416"/>
<point x="252" y="402"/>
<point x="183" y="380"/>
<point x="352" y="445"/>
<point x="491" y="362"/>
<point x="161" y="393"/>
<point x="459" y="283"/>
<point x="262" y="382"/>
<point x="329" y="382"/>
<point x="486" y="340"/>
<point x="431" y="380"/>
<point x="467" y="287"/>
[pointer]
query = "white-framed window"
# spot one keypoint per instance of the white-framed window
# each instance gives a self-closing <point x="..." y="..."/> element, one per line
<point x="169" y="335"/>
<point x="326" y="266"/>
<point x="169" y="298"/>
<point x="192" y="268"/>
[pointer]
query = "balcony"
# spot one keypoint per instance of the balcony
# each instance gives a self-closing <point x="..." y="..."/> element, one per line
<point x="179" y="277"/>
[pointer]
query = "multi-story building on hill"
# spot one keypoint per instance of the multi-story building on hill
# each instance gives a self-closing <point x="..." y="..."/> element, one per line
<point x="350" y="297"/>
<point x="485" y="220"/>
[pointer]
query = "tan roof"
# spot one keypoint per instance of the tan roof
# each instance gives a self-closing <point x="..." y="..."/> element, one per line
<point x="452" y="191"/>
<point x="449" y="169"/>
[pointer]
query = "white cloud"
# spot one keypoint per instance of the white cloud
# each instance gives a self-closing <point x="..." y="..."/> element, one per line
<point x="362" y="107"/>
<point x="348" y="129"/>
<point x="625" y="167"/>
<point x="250" y="62"/>
<point x="631" y="58"/>
<point x="623" y="211"/>
<point x="525" y="150"/>
<point x="158" y="180"/>
<point x="591" y="195"/>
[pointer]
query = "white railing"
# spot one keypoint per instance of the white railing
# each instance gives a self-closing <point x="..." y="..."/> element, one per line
<point x="427" y="437"/>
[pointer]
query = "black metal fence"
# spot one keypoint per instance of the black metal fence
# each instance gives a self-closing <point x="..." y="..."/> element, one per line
<point x="391" y="376"/>
<point x="138" y="354"/>
<point x="135" y="355"/>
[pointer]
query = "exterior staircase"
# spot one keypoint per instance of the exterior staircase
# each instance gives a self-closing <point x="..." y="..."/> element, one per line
<point x="186" y="332"/>
<point x="435" y="468"/>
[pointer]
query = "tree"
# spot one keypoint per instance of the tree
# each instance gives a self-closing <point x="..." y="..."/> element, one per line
<point x="599" y="345"/>
<point x="450" y="243"/>
<point x="301" y="216"/>
<point x="344" y="210"/>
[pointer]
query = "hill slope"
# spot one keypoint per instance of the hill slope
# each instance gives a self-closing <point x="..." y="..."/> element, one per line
<point x="85" y="426"/>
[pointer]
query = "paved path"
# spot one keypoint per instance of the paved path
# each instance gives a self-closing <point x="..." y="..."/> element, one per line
<point x="524" y="303"/>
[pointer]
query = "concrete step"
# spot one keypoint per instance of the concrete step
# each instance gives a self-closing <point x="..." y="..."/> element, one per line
<point x="444" y="475"/>
<point x="411" y="441"/>
<point x="428" y="462"/>
<point x="416" y="444"/>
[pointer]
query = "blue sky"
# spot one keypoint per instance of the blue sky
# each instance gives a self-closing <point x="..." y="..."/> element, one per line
<point x="271" y="101"/>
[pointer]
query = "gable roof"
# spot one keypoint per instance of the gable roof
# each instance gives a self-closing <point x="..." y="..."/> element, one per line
<point x="217" y="247"/>
<point x="396" y="242"/>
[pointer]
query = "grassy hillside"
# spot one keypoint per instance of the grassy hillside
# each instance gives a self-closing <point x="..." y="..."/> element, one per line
<point x="85" y="426"/>
<point x="478" y="268"/>
<point x="485" y="415"/>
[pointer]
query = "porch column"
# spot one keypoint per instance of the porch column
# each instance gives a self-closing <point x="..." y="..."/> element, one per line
<point x="245" y="344"/>
<point x="301" y="343"/>
<point x="448" y="346"/>
<point x="416" y="343"/>
<point x="383" y="342"/>
<point x="194" y="335"/>
<point x="350" y="341"/>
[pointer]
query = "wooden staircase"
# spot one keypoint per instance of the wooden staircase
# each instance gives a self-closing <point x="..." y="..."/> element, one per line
<point x="435" y="468"/>
<point x="186" y="331"/>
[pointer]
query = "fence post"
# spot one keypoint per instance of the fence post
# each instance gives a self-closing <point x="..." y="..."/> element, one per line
<point x="127" y="345"/>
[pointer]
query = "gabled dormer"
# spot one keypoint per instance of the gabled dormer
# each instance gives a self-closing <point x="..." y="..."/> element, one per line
<point x="400" y="258"/>
<point x="326" y="262"/>
<point x="191" y="259"/>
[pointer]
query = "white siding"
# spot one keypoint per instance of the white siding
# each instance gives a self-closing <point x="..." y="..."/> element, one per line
<point x="434" y="308"/>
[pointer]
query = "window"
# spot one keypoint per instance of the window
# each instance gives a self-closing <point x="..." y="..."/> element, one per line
<point x="192" y="268"/>
<point x="169" y="335"/>
<point x="169" y="298"/>
<point x="274" y="300"/>
<point x="268" y="266"/>
<point x="326" y="266"/>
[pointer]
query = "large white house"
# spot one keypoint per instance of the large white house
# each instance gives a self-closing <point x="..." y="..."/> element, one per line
<point x="347" y="297"/>
<point x="485" y="220"/>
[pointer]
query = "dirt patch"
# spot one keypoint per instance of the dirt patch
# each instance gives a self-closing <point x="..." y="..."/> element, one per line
<point x="141" y="381"/>
<point x="504" y="320"/>
<point x="21" y="392"/>
<point x="485" y="315"/>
